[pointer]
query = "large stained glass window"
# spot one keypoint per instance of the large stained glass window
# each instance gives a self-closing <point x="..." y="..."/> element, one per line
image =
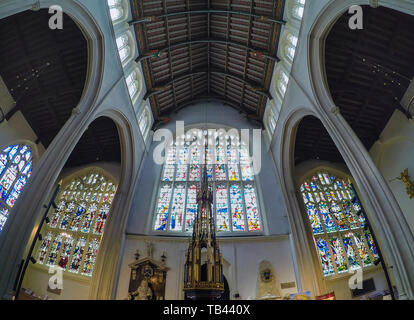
<point x="15" y="170"/>
<point x="72" y="237"/>
<point x="230" y="176"/>
<point x="334" y="215"/>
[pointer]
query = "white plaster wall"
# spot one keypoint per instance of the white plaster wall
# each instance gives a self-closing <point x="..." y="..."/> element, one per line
<point x="37" y="279"/>
<point x="242" y="258"/>
<point x="17" y="129"/>
<point x="393" y="153"/>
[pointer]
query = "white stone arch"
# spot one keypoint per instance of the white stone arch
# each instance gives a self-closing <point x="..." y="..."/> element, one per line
<point x="306" y="266"/>
<point x="29" y="209"/>
<point x="107" y="266"/>
<point x="386" y="216"/>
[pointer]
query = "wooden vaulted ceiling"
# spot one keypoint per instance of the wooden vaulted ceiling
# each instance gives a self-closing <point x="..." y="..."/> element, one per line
<point x="368" y="72"/>
<point x="45" y="72"/>
<point x="201" y="50"/>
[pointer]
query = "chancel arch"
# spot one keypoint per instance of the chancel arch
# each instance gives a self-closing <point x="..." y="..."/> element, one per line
<point x="353" y="134"/>
<point x="71" y="237"/>
<point x="336" y="221"/>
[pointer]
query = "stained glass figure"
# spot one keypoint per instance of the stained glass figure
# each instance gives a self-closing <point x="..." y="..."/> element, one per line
<point x="350" y="250"/>
<point x="228" y="162"/>
<point x="177" y="208"/>
<point x="15" y="170"/>
<point x="333" y="211"/>
<point x="236" y="205"/>
<point x="191" y="207"/>
<point x="251" y="208"/>
<point x="90" y="257"/>
<point x="222" y="208"/>
<point x="338" y="255"/>
<point x="324" y="256"/>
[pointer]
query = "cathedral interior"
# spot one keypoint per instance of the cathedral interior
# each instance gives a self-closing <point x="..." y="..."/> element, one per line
<point x="206" y="150"/>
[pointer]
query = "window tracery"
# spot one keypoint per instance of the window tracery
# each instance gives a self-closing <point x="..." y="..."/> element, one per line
<point x="76" y="227"/>
<point x="15" y="170"/>
<point x="334" y="213"/>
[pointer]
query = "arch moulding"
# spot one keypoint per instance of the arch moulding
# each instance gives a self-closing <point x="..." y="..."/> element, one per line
<point x="385" y="215"/>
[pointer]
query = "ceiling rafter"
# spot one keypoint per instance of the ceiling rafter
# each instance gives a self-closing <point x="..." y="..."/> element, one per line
<point x="207" y="48"/>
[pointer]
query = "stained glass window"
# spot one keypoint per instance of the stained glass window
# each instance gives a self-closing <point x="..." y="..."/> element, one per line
<point x="334" y="215"/>
<point x="76" y="226"/>
<point x="15" y="170"/>
<point x="230" y="175"/>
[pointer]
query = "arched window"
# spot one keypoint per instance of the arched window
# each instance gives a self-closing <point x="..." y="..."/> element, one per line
<point x="334" y="213"/>
<point x="281" y="82"/>
<point x="133" y="83"/>
<point x="144" y="121"/>
<point x="230" y="176"/>
<point x="298" y="8"/>
<point x="15" y="170"/>
<point x="72" y="237"/>
<point x="116" y="10"/>
<point x="290" y="48"/>
<point x="124" y="49"/>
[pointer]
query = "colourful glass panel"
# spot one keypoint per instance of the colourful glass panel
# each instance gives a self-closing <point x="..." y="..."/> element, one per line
<point x="76" y="219"/>
<point x="100" y="221"/>
<point x="163" y="207"/>
<point x="338" y="255"/>
<point x="191" y="210"/>
<point x="222" y="208"/>
<point x="363" y="251"/>
<point x="314" y="219"/>
<point x="77" y="255"/>
<point x="251" y="208"/>
<point x="371" y="244"/>
<point x="90" y="257"/>
<point x="323" y="252"/>
<point x="177" y="208"/>
<point x="44" y="247"/>
<point x="89" y="216"/>
<point x="351" y="251"/>
<point x="66" y="249"/>
<point x="54" y="250"/>
<point x="194" y="173"/>
<point x="327" y="218"/>
<point x="236" y="204"/>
